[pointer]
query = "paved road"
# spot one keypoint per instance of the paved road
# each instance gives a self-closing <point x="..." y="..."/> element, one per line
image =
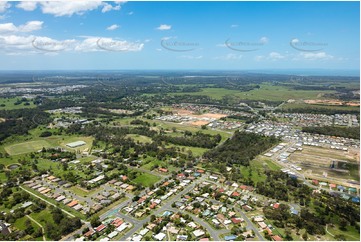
<point x="71" y="215"/>
<point x="250" y="225"/>
<point x="41" y="226"/>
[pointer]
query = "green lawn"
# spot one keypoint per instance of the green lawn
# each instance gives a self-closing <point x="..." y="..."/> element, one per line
<point x="9" y="104"/>
<point x="140" y="138"/>
<point x="44" y="217"/>
<point x="146" y="179"/>
<point x="26" y="147"/>
<point x="52" y="141"/>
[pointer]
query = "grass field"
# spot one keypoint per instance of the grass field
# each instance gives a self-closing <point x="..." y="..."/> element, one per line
<point x="27" y="147"/>
<point x="44" y="217"/>
<point x="319" y="106"/>
<point x="266" y="92"/>
<point x="9" y="104"/>
<point x="146" y="179"/>
<point x="140" y="138"/>
<point x="52" y="141"/>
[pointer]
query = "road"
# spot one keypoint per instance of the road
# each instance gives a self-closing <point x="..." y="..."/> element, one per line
<point x="250" y="225"/>
<point x="41" y="226"/>
<point x="71" y="215"/>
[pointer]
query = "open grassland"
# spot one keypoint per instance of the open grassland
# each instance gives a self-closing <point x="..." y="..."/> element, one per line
<point x="146" y="179"/>
<point x="150" y="162"/>
<point x="26" y="147"/>
<point x="265" y="92"/>
<point x="10" y="104"/>
<point x="53" y="141"/>
<point x="140" y="138"/>
<point x="311" y="107"/>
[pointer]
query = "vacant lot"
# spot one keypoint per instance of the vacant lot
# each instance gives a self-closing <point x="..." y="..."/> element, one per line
<point x="317" y="160"/>
<point x="27" y="147"/>
<point x="140" y="138"/>
<point x="146" y="179"/>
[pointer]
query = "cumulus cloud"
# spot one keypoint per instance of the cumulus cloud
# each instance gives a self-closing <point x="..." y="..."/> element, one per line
<point x="91" y="44"/>
<point x="28" y="27"/>
<point x="108" y="7"/>
<point x="230" y="56"/>
<point x="68" y="8"/>
<point x="13" y="44"/>
<point x="264" y="40"/>
<point x="164" y="27"/>
<point x="28" y="5"/>
<point x="4" y="5"/>
<point x="113" y="27"/>
<point x="316" y="56"/>
<point x="276" y="56"/>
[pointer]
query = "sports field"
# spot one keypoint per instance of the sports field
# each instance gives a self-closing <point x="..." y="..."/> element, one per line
<point x="26" y="147"/>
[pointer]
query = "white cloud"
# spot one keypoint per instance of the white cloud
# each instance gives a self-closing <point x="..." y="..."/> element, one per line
<point x="25" y="45"/>
<point x="108" y="7"/>
<point x="130" y="13"/>
<point x="113" y="27"/>
<point x="4" y="5"/>
<point x="191" y="57"/>
<point x="92" y="44"/>
<point x="31" y="26"/>
<point x="28" y="5"/>
<point x="264" y="40"/>
<point x="28" y="27"/>
<point x="164" y="27"/>
<point x="273" y="56"/>
<point x="276" y="56"/>
<point x="168" y="37"/>
<point x="69" y="8"/>
<point x="316" y="56"/>
<point x="234" y="25"/>
<point x="230" y="56"/>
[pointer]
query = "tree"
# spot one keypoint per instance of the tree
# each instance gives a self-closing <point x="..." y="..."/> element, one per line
<point x="95" y="221"/>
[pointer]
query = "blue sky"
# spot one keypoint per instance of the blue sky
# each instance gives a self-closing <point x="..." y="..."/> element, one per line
<point x="179" y="35"/>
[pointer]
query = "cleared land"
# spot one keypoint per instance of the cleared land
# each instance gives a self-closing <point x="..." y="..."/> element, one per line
<point x="267" y="91"/>
<point x="146" y="179"/>
<point x="140" y="138"/>
<point x="27" y="147"/>
<point x="317" y="161"/>
<point x="10" y="104"/>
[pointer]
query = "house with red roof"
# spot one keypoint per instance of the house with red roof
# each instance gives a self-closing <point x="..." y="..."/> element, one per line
<point x="236" y="220"/>
<point x="163" y="170"/>
<point x="100" y="228"/>
<point x="235" y="194"/>
<point x="276" y="238"/>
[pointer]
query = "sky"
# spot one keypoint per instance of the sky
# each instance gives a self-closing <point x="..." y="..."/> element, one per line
<point x="95" y="35"/>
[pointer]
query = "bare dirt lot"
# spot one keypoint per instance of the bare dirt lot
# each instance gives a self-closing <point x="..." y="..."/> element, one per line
<point x="320" y="161"/>
<point x="184" y="112"/>
<point x="332" y="102"/>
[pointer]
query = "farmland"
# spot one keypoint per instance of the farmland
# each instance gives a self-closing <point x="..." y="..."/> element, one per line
<point x="273" y="93"/>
